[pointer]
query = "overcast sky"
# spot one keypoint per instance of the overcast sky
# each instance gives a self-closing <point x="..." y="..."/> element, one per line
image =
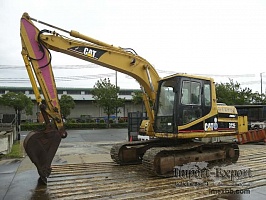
<point x="218" y="38"/>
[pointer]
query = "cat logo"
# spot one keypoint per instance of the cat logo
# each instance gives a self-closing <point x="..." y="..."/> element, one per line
<point x="89" y="52"/>
<point x="212" y="125"/>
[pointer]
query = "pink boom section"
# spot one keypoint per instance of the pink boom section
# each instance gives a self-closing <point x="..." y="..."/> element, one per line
<point x="46" y="74"/>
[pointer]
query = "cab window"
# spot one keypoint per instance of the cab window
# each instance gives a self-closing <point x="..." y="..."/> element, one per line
<point x="191" y="93"/>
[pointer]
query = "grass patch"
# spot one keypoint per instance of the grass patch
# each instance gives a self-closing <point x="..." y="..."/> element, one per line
<point x="15" y="151"/>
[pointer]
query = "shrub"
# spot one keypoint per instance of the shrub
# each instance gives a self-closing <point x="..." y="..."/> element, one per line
<point x="119" y="125"/>
<point x="84" y="125"/>
<point x="92" y="121"/>
<point x="69" y="126"/>
<point x="31" y="126"/>
<point x="71" y="120"/>
<point x="102" y="121"/>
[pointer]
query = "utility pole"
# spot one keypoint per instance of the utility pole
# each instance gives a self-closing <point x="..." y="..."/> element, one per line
<point x="116" y="97"/>
<point x="261" y="83"/>
<point x="116" y="79"/>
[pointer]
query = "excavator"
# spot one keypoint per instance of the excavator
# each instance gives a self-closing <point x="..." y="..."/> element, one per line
<point x="182" y="109"/>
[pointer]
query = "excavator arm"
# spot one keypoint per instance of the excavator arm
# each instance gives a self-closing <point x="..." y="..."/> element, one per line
<point x="89" y="49"/>
<point x="36" y="46"/>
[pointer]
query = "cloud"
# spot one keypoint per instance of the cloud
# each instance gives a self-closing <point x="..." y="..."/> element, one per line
<point x="198" y="37"/>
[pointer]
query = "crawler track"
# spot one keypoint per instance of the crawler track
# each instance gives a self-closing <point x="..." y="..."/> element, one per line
<point x="111" y="181"/>
<point x="132" y="151"/>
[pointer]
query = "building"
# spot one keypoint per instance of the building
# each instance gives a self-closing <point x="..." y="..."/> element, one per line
<point x="84" y="103"/>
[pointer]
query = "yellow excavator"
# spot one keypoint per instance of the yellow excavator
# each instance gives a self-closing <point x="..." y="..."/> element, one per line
<point x="182" y="109"/>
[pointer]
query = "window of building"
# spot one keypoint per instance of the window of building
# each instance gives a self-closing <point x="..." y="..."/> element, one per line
<point x="125" y="92"/>
<point x="73" y="92"/>
<point x="88" y="92"/>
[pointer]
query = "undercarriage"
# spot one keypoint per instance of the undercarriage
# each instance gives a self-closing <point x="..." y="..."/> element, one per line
<point x="160" y="157"/>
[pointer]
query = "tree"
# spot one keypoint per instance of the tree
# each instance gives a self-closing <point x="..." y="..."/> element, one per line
<point x="232" y="94"/>
<point x="137" y="97"/>
<point x="66" y="104"/>
<point x="18" y="101"/>
<point x="257" y="98"/>
<point x="106" y="97"/>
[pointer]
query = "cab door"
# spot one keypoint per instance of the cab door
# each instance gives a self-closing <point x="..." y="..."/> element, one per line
<point x="194" y="103"/>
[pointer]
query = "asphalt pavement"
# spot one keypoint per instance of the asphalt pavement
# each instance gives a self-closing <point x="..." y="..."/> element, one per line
<point x="19" y="177"/>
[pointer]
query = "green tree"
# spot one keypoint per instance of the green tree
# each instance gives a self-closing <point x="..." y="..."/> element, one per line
<point x="137" y="97"/>
<point x="66" y="104"/>
<point x="18" y="101"/>
<point x="257" y="98"/>
<point x="106" y="97"/>
<point x="231" y="93"/>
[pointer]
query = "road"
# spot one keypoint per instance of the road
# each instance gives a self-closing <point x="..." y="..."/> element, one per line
<point x="19" y="177"/>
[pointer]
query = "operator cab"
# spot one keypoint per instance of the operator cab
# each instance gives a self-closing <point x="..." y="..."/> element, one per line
<point x="182" y="100"/>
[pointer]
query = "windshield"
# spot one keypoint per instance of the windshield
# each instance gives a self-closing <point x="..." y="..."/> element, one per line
<point x="165" y="112"/>
<point x="166" y="99"/>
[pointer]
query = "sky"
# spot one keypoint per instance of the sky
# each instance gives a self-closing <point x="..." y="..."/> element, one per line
<point x="223" y="39"/>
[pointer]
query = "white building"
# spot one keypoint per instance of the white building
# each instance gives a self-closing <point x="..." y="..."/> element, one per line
<point x="84" y="103"/>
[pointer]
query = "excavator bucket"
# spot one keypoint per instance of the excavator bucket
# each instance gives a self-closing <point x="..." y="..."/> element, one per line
<point x="41" y="147"/>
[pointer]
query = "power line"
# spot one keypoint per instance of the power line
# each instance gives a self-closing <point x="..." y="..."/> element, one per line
<point x="92" y="65"/>
<point x="97" y="76"/>
<point x="228" y="76"/>
<point x="62" y="78"/>
<point x="21" y="67"/>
